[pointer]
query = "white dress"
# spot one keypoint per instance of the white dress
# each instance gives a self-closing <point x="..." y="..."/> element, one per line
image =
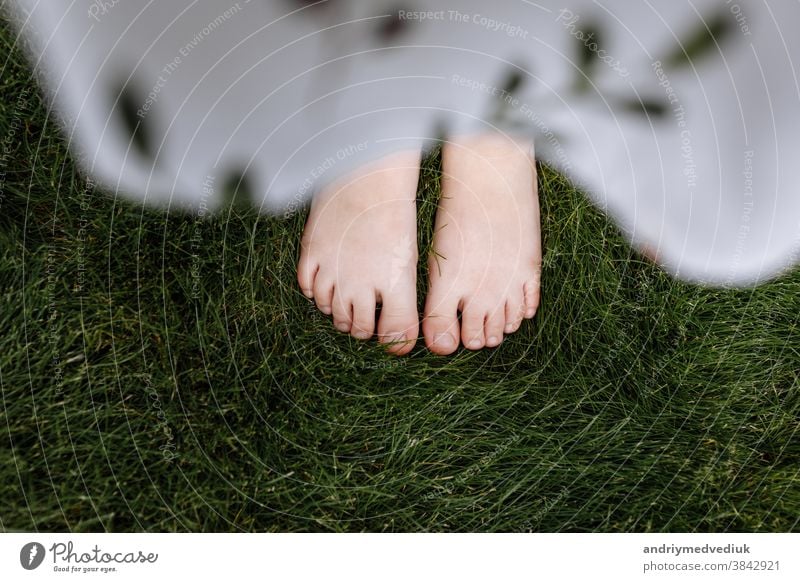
<point x="679" y="118"/>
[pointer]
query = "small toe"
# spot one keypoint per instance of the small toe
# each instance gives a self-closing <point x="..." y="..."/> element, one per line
<point x="342" y="313"/>
<point x="472" y="327"/>
<point x="306" y="273"/>
<point x="494" y="327"/>
<point x="363" y="317"/>
<point x="515" y="312"/>
<point x="531" y="291"/>
<point x="440" y="326"/>
<point x="323" y="294"/>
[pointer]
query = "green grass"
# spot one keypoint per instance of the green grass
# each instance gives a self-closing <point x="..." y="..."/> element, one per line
<point x="160" y="372"/>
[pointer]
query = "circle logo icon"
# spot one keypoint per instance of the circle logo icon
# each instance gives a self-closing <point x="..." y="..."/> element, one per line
<point x="31" y="555"/>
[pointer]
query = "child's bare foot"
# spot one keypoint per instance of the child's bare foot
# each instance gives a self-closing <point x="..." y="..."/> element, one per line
<point x="359" y="249"/>
<point x="487" y="245"/>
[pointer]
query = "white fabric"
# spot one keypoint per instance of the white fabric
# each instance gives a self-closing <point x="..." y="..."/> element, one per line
<point x="297" y="94"/>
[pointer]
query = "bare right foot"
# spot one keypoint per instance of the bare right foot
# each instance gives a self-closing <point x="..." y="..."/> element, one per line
<point x="359" y="250"/>
<point x="487" y="244"/>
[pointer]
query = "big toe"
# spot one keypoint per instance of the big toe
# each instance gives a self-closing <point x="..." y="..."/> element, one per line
<point x="398" y="326"/>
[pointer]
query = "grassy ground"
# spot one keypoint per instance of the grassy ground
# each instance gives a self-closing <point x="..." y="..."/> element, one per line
<point x="162" y="372"/>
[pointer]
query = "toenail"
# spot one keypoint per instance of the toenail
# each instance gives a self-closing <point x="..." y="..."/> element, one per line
<point x="343" y="327"/>
<point x="474" y="343"/>
<point x="443" y="340"/>
<point x="362" y="335"/>
<point x="393" y="339"/>
<point x="493" y="341"/>
<point x="325" y="309"/>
